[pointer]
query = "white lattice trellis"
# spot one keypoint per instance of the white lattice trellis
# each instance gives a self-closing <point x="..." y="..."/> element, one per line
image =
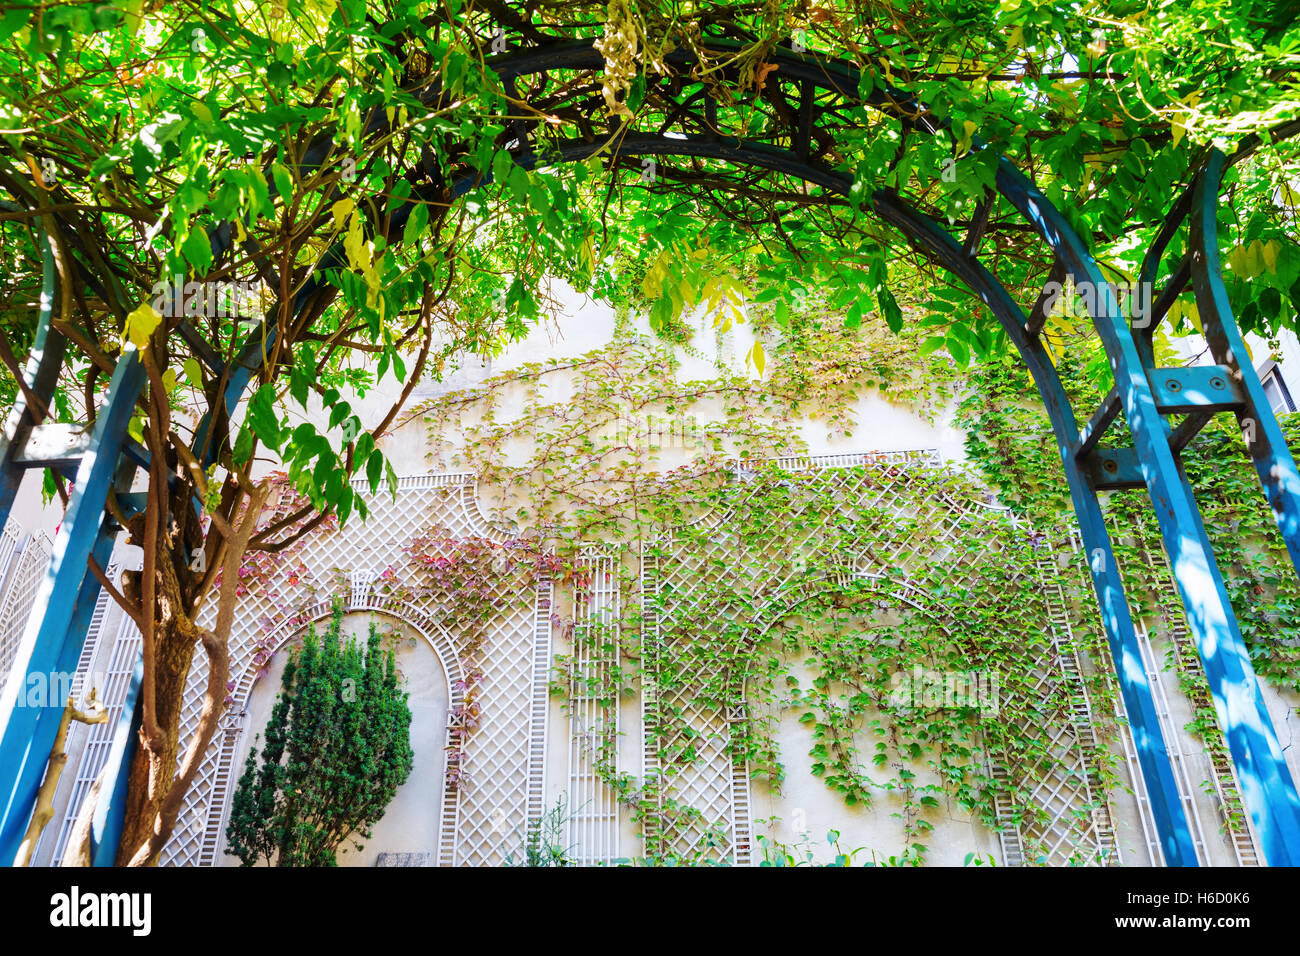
<point x="593" y="717"/>
<point x="886" y="487"/>
<point x="500" y="794"/>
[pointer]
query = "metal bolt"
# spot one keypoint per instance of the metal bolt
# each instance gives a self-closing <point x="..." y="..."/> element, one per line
<point x="1173" y="385"/>
<point x="1109" y="464"/>
<point x="1217" y="382"/>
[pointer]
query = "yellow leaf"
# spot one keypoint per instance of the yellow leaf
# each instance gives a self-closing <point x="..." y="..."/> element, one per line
<point x="169" y="380"/>
<point x="652" y="284"/>
<point x="193" y="372"/>
<point x="1271" y="249"/>
<point x="340" y="210"/>
<point x="1254" y="258"/>
<point x="963" y="141"/>
<point x="757" y="356"/>
<point x="1017" y="38"/>
<point x="1179" y="131"/>
<point x="1051" y="349"/>
<point x="141" y="323"/>
<point x="355" y="244"/>
<point x="1233" y="259"/>
<point x="201" y="111"/>
<point x="686" y="291"/>
<point x="712" y="292"/>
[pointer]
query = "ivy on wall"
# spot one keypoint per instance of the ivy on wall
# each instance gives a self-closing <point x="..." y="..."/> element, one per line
<point x="611" y="446"/>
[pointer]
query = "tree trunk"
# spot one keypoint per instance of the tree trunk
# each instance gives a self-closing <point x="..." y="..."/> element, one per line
<point x="152" y="774"/>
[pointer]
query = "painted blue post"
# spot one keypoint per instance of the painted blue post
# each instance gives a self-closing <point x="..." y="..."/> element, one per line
<point x="110" y="811"/>
<point x="49" y="641"/>
<point x="1265" y="442"/>
<point x="1269" y="792"/>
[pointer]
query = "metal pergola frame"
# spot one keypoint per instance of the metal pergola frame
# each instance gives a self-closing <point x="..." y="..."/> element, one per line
<point x="1148" y="396"/>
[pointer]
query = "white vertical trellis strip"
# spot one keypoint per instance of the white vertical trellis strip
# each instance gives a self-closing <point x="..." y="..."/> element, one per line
<point x="651" y="636"/>
<point x="593" y="721"/>
<point x="28" y="558"/>
<point x="1182" y="778"/>
<point x="543" y="616"/>
<point x="1223" y="777"/>
<point x="83" y="681"/>
<point x="742" y="839"/>
<point x="1146" y="819"/>
<point x="1009" y="838"/>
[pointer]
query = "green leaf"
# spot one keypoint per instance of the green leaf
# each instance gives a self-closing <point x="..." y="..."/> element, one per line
<point x="262" y="418"/>
<point x="283" y="183"/>
<point x="197" y="250"/>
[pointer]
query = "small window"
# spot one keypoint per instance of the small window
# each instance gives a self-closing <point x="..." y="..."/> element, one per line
<point x="1275" y="390"/>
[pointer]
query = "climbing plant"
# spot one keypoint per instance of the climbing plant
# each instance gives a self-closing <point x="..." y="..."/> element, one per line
<point x="625" y="445"/>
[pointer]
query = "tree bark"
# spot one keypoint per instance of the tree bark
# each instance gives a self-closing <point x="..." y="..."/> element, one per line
<point x="152" y="769"/>
<point x="154" y="790"/>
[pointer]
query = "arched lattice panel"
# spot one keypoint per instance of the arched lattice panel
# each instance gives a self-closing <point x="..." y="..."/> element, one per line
<point x="879" y="518"/>
<point x="495" y="779"/>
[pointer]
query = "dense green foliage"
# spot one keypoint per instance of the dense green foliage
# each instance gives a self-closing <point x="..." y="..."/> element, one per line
<point x="334" y="752"/>
<point x="134" y="129"/>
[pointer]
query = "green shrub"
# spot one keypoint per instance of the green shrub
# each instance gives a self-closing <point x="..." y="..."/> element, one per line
<point x="337" y="747"/>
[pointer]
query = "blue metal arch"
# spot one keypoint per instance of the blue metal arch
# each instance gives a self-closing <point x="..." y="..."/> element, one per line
<point x="1153" y="462"/>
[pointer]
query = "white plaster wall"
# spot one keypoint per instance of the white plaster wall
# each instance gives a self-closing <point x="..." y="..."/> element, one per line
<point x="584" y="325"/>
